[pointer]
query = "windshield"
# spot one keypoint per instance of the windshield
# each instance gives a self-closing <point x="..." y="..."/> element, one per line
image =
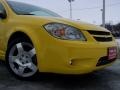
<point x="26" y="9"/>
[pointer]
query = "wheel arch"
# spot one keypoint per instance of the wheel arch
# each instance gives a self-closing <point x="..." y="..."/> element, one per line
<point x="32" y="36"/>
<point x="18" y="34"/>
<point x="10" y="43"/>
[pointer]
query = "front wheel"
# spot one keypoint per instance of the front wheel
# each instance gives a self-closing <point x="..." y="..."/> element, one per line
<point x="21" y="59"/>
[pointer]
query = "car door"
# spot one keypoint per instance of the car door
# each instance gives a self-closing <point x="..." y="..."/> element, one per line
<point x="2" y="30"/>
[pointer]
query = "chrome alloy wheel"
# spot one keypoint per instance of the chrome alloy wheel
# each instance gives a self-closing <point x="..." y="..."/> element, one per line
<point x="21" y="59"/>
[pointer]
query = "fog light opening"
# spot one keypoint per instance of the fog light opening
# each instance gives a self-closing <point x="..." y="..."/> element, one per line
<point x="70" y="62"/>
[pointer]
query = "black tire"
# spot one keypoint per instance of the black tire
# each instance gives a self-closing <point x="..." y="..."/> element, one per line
<point x="11" y="44"/>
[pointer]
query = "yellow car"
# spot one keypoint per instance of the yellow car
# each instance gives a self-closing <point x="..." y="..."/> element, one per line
<point x="34" y="39"/>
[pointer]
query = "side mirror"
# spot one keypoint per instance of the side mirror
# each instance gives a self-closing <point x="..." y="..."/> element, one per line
<point x="2" y="14"/>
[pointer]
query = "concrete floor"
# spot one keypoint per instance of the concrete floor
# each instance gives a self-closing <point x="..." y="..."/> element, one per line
<point x="107" y="79"/>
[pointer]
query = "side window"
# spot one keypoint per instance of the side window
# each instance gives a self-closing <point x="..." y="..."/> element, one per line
<point x="2" y="11"/>
<point x="1" y="7"/>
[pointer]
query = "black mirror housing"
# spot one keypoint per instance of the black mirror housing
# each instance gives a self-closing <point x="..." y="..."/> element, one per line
<point x="2" y="15"/>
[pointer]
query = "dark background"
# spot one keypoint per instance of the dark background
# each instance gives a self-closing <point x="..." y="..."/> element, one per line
<point x="115" y="29"/>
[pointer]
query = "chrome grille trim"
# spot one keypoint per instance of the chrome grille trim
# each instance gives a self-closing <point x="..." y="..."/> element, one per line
<point x="101" y="36"/>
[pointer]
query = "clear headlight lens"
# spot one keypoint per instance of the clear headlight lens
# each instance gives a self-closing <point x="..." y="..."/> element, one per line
<point x="63" y="31"/>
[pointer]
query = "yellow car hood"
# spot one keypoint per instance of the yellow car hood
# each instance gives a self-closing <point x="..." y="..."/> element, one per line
<point x="79" y="24"/>
<point x="44" y="20"/>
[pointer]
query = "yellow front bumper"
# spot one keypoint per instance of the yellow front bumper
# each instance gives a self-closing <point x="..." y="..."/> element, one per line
<point x="57" y="56"/>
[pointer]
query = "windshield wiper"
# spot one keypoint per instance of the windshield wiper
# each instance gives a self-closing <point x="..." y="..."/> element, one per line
<point x="27" y="14"/>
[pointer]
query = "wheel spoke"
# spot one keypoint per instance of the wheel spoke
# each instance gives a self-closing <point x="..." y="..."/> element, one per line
<point x="12" y="58"/>
<point x="27" y="65"/>
<point x="19" y="47"/>
<point x="18" y="62"/>
<point x="32" y="67"/>
<point x="32" y="52"/>
<point x="21" y="70"/>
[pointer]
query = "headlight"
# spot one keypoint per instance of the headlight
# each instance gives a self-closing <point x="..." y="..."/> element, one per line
<point x="63" y="31"/>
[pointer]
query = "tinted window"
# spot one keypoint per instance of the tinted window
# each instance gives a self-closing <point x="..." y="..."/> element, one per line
<point x="26" y="9"/>
<point x="2" y="8"/>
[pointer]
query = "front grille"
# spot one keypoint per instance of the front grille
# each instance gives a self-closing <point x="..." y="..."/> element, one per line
<point x="101" y="36"/>
<point x="99" y="33"/>
<point x="103" y="39"/>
